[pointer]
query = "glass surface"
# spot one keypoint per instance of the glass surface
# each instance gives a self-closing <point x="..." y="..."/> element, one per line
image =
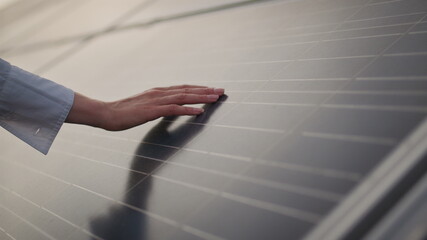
<point x="319" y="92"/>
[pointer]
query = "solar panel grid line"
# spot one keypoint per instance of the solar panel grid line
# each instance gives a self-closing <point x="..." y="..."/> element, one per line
<point x="209" y="236"/>
<point x="414" y="24"/>
<point x="405" y="54"/>
<point x="273" y="130"/>
<point x="343" y="92"/>
<point x="300" y="43"/>
<point x="384" y="50"/>
<point x="352" y="138"/>
<point x="302" y="54"/>
<point x="330" y="34"/>
<point x="222" y="174"/>
<point x="7" y="234"/>
<point x="35" y="170"/>
<point x="265" y="20"/>
<point x="234" y="157"/>
<point x="368" y="32"/>
<point x="132" y="140"/>
<point x="252" y="47"/>
<point x="78" y="228"/>
<point x="309" y="79"/>
<point x="241" y="80"/>
<point x="266" y="151"/>
<point x="190" y="13"/>
<point x="327" y="32"/>
<point x="8" y="227"/>
<point x="43" y="209"/>
<point x="292" y="212"/>
<point x="101" y="162"/>
<point x="189" y="229"/>
<point x="382" y="54"/>
<point x="27" y="222"/>
<point x="273" y="104"/>
<point x="356" y="20"/>
<point x="319" y="171"/>
<point x="341" y="137"/>
<point x="401" y="108"/>
<point x="394" y="17"/>
<point x="393" y="33"/>
<point x="163" y="219"/>
<point x="335" y="58"/>
<point x="407" y="154"/>
<point x="332" y="172"/>
<point x="284" y="37"/>
<point x="309" y="14"/>
<point x="385" y="92"/>
<point x="390" y="78"/>
<point x="39" y="207"/>
<point x="239" y="158"/>
<point x="249" y="163"/>
<point x="351" y="25"/>
<point x="151" y="214"/>
<point x="254" y="203"/>
<point x="418" y="32"/>
<point x="384" y="2"/>
<point x="363" y="37"/>
<point x="286" y="187"/>
<point x="202" y="234"/>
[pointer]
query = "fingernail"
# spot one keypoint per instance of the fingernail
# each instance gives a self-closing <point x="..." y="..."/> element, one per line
<point x="219" y="91"/>
<point x="198" y="110"/>
<point x="213" y="97"/>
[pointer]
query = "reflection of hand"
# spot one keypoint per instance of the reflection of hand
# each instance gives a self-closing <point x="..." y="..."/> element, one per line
<point x="139" y="109"/>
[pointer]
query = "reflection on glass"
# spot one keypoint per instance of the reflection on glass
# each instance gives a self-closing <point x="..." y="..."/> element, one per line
<point x="122" y="221"/>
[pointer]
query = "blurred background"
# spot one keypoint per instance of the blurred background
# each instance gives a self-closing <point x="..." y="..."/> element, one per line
<point x="322" y="134"/>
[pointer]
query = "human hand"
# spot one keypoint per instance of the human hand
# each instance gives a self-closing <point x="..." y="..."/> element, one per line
<point x="139" y="109"/>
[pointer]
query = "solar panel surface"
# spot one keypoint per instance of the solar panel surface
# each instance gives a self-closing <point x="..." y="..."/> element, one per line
<point x="319" y="93"/>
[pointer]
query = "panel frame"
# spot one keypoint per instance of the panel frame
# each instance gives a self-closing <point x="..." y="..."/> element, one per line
<point x="379" y="186"/>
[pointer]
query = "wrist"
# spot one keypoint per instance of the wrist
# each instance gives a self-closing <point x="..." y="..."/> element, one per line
<point x="88" y="111"/>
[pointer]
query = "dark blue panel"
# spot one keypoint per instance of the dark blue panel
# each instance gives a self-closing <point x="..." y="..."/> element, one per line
<point x="319" y="93"/>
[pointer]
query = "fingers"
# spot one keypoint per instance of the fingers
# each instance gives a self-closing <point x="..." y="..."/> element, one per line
<point x="217" y="91"/>
<point x="173" y="110"/>
<point x="183" y="98"/>
<point x="156" y="92"/>
<point x="179" y="87"/>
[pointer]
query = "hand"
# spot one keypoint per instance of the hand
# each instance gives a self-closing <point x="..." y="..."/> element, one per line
<point x="139" y="109"/>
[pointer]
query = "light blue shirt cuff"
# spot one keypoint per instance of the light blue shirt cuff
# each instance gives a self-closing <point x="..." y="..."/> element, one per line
<point x="32" y="108"/>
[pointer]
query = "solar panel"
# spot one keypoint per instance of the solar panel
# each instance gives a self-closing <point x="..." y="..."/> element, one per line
<point x="321" y="94"/>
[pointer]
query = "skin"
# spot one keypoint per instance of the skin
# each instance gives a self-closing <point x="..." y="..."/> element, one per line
<point x="136" y="110"/>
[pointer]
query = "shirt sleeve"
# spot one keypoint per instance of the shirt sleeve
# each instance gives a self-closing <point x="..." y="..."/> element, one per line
<point x="31" y="107"/>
